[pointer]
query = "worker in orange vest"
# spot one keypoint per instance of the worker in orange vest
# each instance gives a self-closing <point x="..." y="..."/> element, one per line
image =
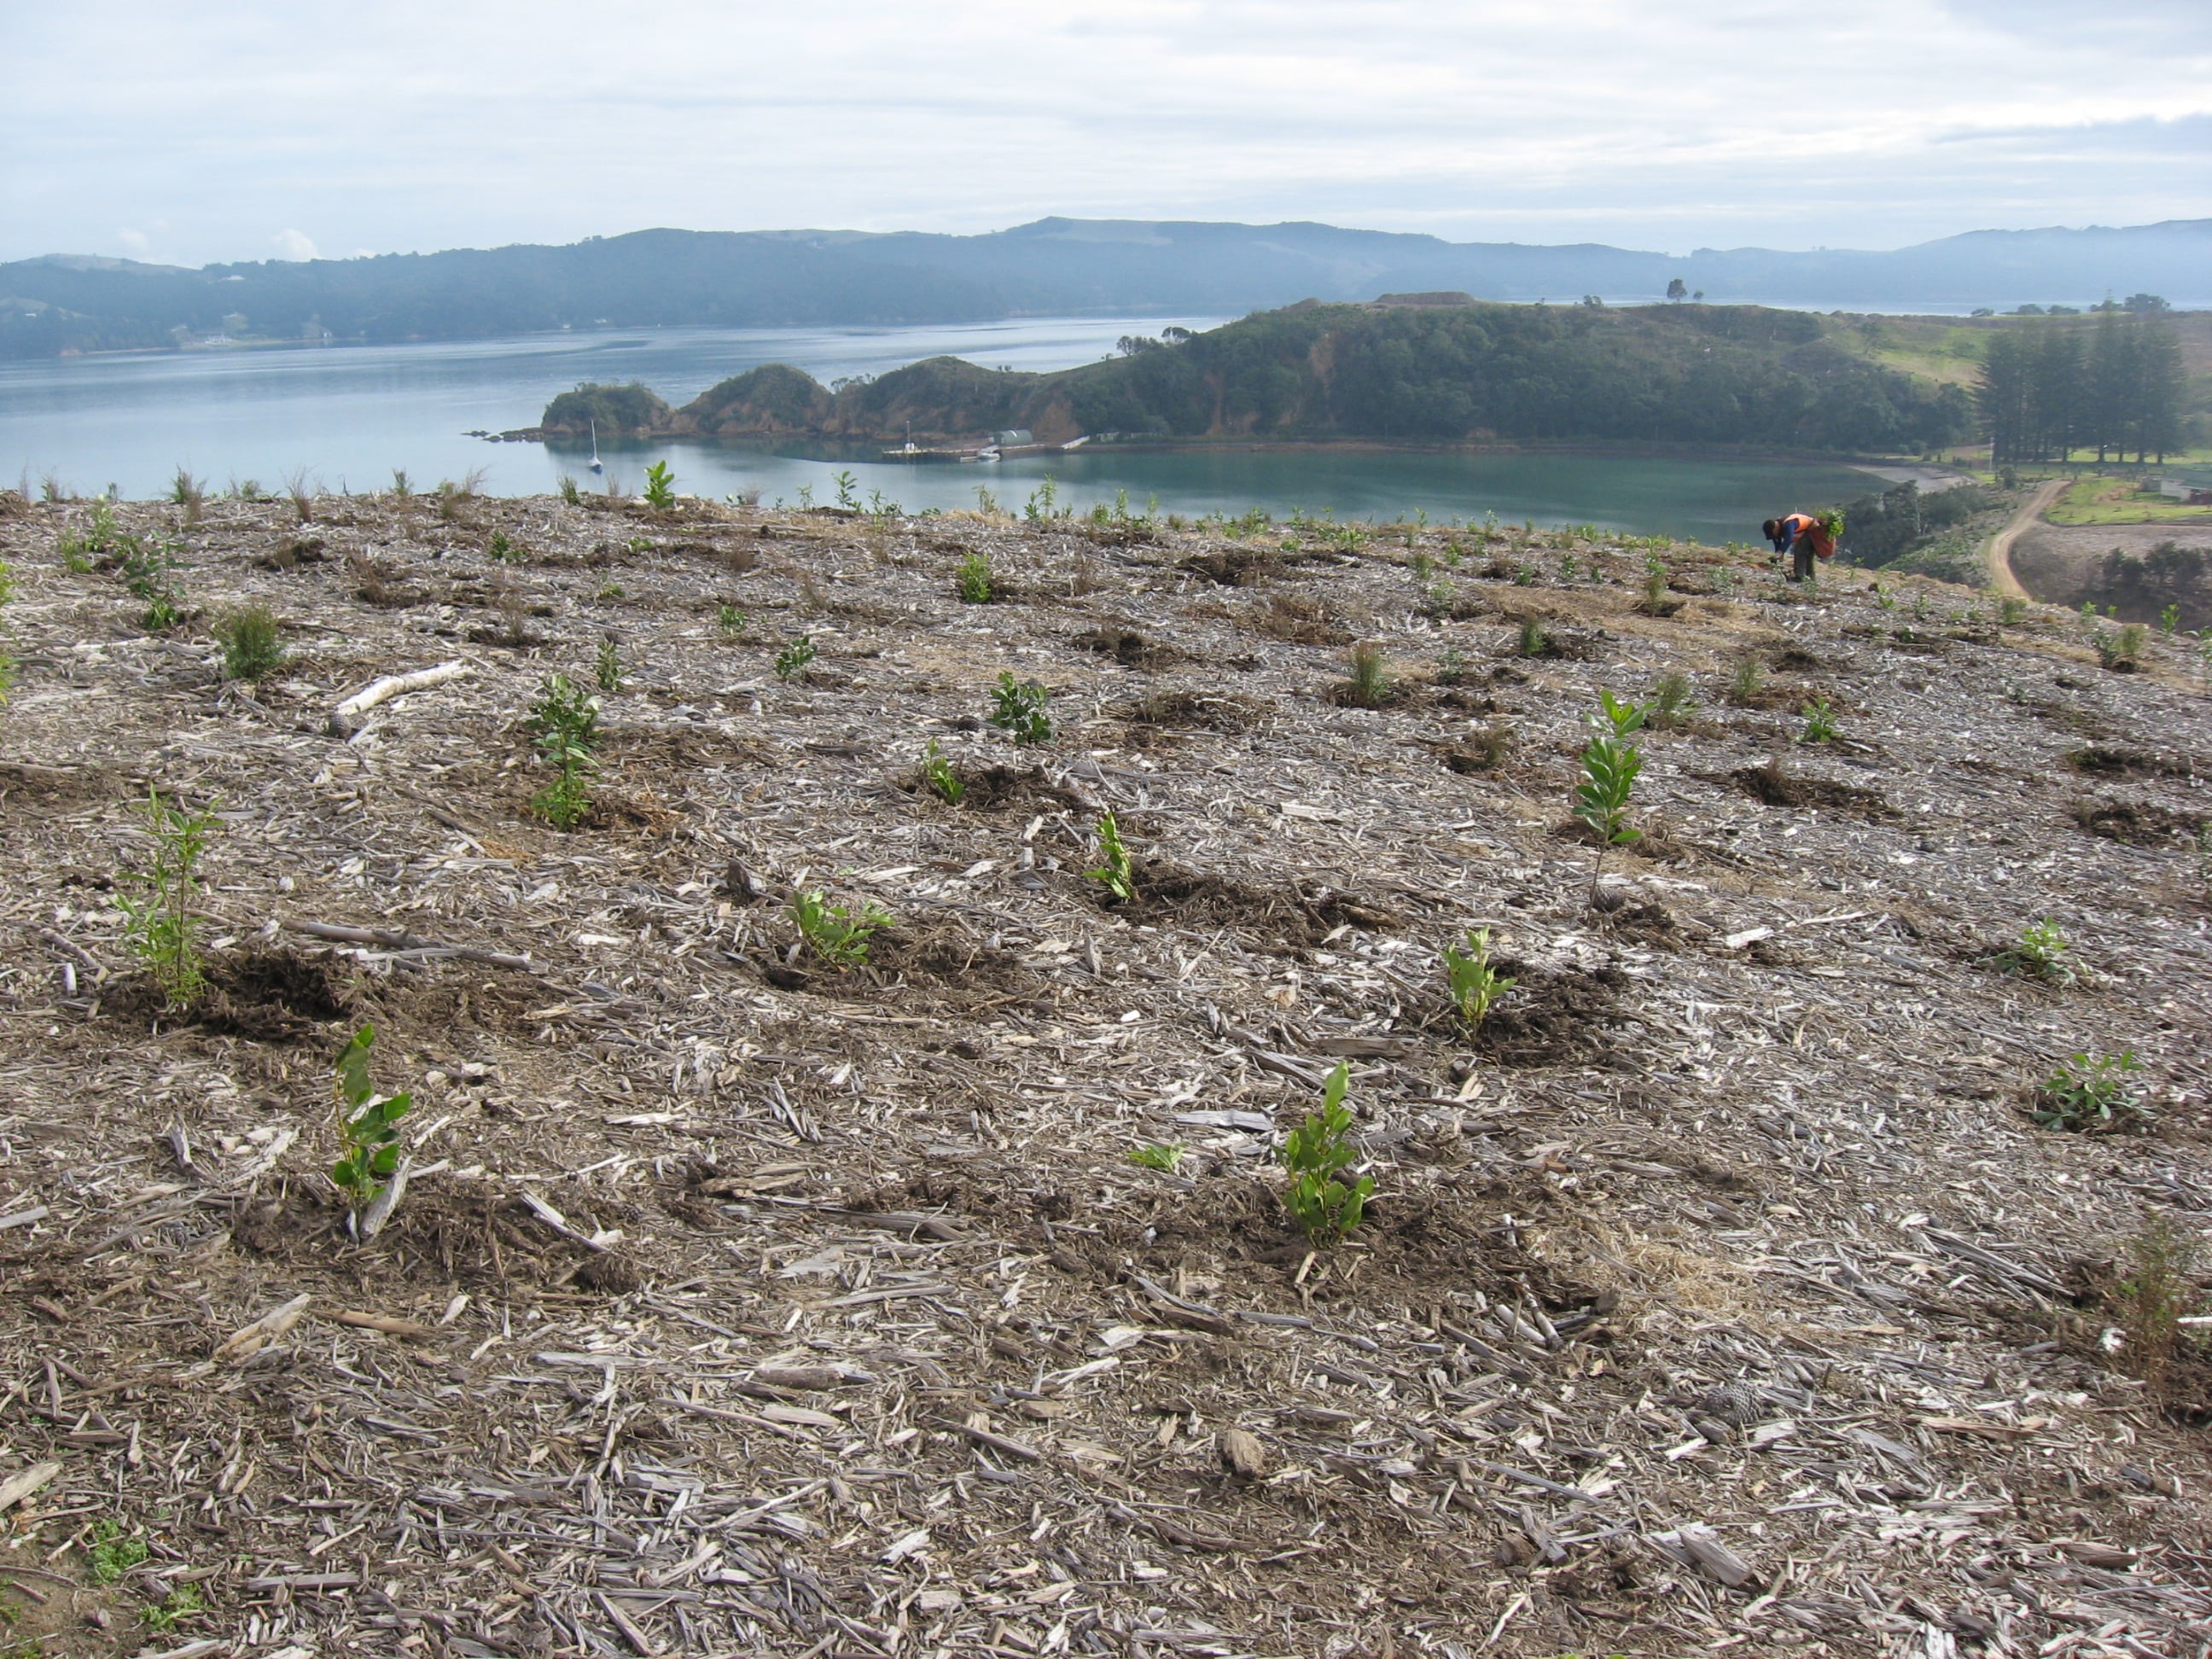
<point x="1804" y="538"/>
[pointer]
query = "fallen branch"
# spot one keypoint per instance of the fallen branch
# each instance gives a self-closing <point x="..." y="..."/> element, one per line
<point x="394" y="939"/>
<point x="345" y="719"/>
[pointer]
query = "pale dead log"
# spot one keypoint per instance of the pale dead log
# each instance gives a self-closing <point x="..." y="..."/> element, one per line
<point x="18" y="1486"/>
<point x="252" y="1339"/>
<point x="393" y="938"/>
<point x="345" y="718"/>
<point x="384" y="1322"/>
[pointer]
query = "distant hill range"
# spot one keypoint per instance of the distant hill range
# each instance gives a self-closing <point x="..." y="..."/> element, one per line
<point x="1052" y="267"/>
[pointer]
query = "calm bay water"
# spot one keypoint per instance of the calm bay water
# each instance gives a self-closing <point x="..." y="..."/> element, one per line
<point x="349" y="415"/>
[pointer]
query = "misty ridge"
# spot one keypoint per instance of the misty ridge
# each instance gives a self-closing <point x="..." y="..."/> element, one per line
<point x="67" y="303"/>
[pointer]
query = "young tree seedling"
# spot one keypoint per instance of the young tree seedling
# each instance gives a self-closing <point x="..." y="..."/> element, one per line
<point x="790" y="662"/>
<point x="162" y="928"/>
<point x="1115" y="872"/>
<point x="1316" y="1153"/>
<point x="659" y="486"/>
<point x="1474" y="983"/>
<point x="943" y="781"/>
<point x="1610" y="763"/>
<point x="836" y="935"/>
<point x="1017" y="707"/>
<point x="368" y="1136"/>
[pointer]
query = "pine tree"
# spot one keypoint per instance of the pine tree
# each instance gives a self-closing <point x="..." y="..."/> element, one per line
<point x="2159" y="387"/>
<point x="2055" y="392"/>
<point x="2002" y="397"/>
<point x="2110" y="350"/>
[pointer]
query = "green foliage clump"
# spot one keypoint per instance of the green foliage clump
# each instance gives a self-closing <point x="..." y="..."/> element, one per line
<point x="794" y="658"/>
<point x="608" y="669"/>
<point x="502" y="550"/>
<point x="659" y="486"/>
<point x="1673" y="700"/>
<point x="837" y="934"/>
<point x="1820" y="721"/>
<point x="162" y="927"/>
<point x="1475" y="983"/>
<point x="2156" y="1294"/>
<point x="1115" y="873"/>
<point x="1371" y="686"/>
<point x="571" y="494"/>
<point x="114" y="1551"/>
<point x="973" y="578"/>
<point x="2090" y="1094"/>
<point x="366" y="1124"/>
<point x="943" y="781"/>
<point x="565" y="720"/>
<point x="2124" y="652"/>
<point x="1158" y="1155"/>
<point x="1316" y="1153"/>
<point x="730" y="620"/>
<point x="1747" y="681"/>
<point x="179" y="1604"/>
<point x="147" y="568"/>
<point x="1533" y="641"/>
<point x="2039" y="954"/>
<point x="252" y="648"/>
<point x="2012" y="610"/>
<point x="1017" y="707"/>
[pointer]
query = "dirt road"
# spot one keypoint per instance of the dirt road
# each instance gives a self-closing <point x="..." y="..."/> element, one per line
<point x="1999" y="557"/>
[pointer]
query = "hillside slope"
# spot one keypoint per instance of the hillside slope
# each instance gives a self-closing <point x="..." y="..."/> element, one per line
<point x="1718" y="1290"/>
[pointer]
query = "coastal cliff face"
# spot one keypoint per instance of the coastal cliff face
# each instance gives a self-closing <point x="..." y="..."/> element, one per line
<point x="1445" y="373"/>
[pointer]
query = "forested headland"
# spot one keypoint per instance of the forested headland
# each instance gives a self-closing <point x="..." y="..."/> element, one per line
<point x="1454" y="372"/>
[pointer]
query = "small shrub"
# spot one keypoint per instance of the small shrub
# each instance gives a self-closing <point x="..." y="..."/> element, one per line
<point x="2169" y="621"/>
<point x="1017" y="707"/>
<point x="1451" y="666"/>
<point x="1159" y="1154"/>
<point x="659" y="486"/>
<point x="303" y="497"/>
<point x="368" y="1136"/>
<point x="2155" y="1296"/>
<point x="114" y="1551"/>
<point x="792" y="660"/>
<point x="2090" y="1094"/>
<point x="163" y="928"/>
<point x="1115" y="872"/>
<point x="1655" y="599"/>
<point x="1534" y="641"/>
<point x="2040" y="953"/>
<point x="1316" y="1153"/>
<point x="846" y="499"/>
<point x="1369" y="686"/>
<point x="2012" y="611"/>
<point x="146" y="570"/>
<point x="836" y="935"/>
<point x="610" y="591"/>
<point x="973" y="578"/>
<point x="569" y="493"/>
<point x="179" y="1604"/>
<point x="252" y="648"/>
<point x="1820" y="721"/>
<point x="565" y="720"/>
<point x="2124" y="652"/>
<point x="1673" y="700"/>
<point x="402" y="486"/>
<point x="608" y="669"/>
<point x="943" y="781"/>
<point x="1473" y="982"/>
<point x="189" y="493"/>
<point x="1610" y="763"/>
<point x="729" y="620"/>
<point x="1524" y="576"/>
<point x="502" y="550"/>
<point x="1745" y="684"/>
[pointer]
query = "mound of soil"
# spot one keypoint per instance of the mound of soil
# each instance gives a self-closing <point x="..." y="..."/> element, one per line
<point x="1190" y="711"/>
<point x="1777" y="788"/>
<point x="264" y="996"/>
<point x="948" y="961"/>
<point x="2138" y="823"/>
<point x="1294" y="918"/>
<point x="996" y="789"/>
<point x="1236" y="567"/>
<point x="2108" y="760"/>
<point x="1552" y="1018"/>
<point x="1128" y="647"/>
<point x="1297" y="620"/>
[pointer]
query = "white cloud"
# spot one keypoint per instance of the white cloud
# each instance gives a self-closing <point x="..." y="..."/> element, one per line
<point x="294" y="245"/>
<point x="1867" y="123"/>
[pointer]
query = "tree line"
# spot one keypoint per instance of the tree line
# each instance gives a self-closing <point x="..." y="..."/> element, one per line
<point x="2113" y="383"/>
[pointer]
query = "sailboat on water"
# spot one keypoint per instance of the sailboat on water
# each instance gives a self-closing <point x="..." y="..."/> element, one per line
<point x="597" y="466"/>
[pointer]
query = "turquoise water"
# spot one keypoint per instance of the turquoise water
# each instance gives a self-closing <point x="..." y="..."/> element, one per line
<point x="347" y="416"/>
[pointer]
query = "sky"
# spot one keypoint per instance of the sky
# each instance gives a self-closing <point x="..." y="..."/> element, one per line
<point x="258" y="131"/>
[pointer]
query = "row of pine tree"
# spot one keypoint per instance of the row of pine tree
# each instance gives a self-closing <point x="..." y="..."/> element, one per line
<point x="2110" y="382"/>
